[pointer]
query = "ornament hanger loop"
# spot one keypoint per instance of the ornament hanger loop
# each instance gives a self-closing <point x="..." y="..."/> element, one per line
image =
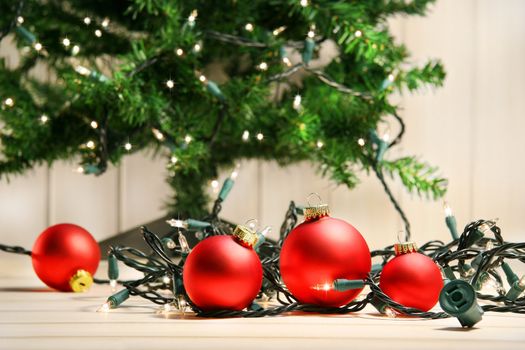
<point x="320" y="200"/>
<point x="402" y="236"/>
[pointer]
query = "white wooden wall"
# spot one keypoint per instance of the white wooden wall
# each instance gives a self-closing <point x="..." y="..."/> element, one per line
<point x="472" y="129"/>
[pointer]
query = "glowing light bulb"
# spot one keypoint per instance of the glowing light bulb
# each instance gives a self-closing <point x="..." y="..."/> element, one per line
<point x="179" y="52"/>
<point x="128" y="146"/>
<point x="203" y="79"/>
<point x="215" y="184"/>
<point x="391" y="77"/>
<point x="297" y="102"/>
<point x="20" y="20"/>
<point x="303" y="3"/>
<point x="98" y="33"/>
<point x="183" y="242"/>
<point x="358" y="34"/>
<point x="113" y="285"/>
<point x="263" y="66"/>
<point x="489" y="245"/>
<point x="44" y="118"/>
<point x="82" y="70"/>
<point x="259" y="136"/>
<point x="90" y="144"/>
<point x="177" y="223"/>
<point x="320" y="144"/>
<point x="75" y="50"/>
<point x="192" y="17"/>
<point x="447" y="209"/>
<point x="174" y="160"/>
<point x="323" y="287"/>
<point x="245" y="135"/>
<point x="93" y="124"/>
<point x="235" y="172"/>
<point x="279" y="30"/>
<point x="170" y="244"/>
<point x="361" y="142"/>
<point x="158" y="135"/>
<point x="9" y="102"/>
<point x="170" y="84"/>
<point x="87" y="20"/>
<point x="389" y="312"/>
<point x="249" y="27"/>
<point x="188" y="139"/>
<point x="105" y="307"/>
<point x="311" y="34"/>
<point x="66" y="42"/>
<point x="287" y="61"/>
<point x="386" y="136"/>
<point x="105" y="22"/>
<point x="38" y="46"/>
<point x="80" y="169"/>
<point x="166" y="280"/>
<point x="197" y="47"/>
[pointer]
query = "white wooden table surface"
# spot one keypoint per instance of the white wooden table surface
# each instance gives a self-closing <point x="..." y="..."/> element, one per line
<point x="34" y="317"/>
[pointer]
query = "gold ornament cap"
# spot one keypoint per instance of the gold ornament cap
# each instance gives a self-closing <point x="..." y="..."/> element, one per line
<point x="314" y="212"/>
<point x="81" y="281"/>
<point x="405" y="248"/>
<point x="245" y="236"/>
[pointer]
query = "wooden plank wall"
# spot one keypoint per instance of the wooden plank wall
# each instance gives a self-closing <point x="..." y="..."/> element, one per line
<point x="472" y="129"/>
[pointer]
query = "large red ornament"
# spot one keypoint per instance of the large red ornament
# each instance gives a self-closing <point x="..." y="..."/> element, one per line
<point x="411" y="278"/>
<point x="65" y="257"/>
<point x="319" y="251"/>
<point x="224" y="272"/>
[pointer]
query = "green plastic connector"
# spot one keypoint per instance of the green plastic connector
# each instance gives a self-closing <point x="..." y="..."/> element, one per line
<point x="449" y="274"/>
<point x="26" y="34"/>
<point x="376" y="268"/>
<point x="381" y="149"/>
<point x="308" y="51"/>
<point x="452" y="226"/>
<point x="282" y="52"/>
<point x="214" y="89"/>
<point x="178" y="286"/>
<point x="118" y="298"/>
<point x="197" y="224"/>
<point x="458" y="299"/>
<point x="255" y="307"/>
<point x="226" y="188"/>
<point x="342" y="285"/>
<point x="112" y="267"/>
<point x="299" y="210"/>
<point x="517" y="285"/>
<point x="379" y="305"/>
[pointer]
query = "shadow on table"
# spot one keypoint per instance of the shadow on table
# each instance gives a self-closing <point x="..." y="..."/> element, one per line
<point x="456" y="329"/>
<point x="28" y="290"/>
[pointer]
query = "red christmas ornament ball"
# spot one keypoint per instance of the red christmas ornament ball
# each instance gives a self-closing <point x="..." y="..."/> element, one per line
<point x="412" y="279"/>
<point x="221" y="273"/>
<point x="60" y="252"/>
<point x="319" y="251"/>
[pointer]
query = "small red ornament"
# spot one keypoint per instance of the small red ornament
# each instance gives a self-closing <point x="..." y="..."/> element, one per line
<point x="411" y="278"/>
<point x="319" y="251"/>
<point x="65" y="257"/>
<point x="224" y="272"/>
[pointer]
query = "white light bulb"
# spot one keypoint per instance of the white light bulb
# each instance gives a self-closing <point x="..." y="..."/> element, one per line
<point x="249" y="27"/>
<point x="297" y="102"/>
<point x="287" y="61"/>
<point x="263" y="66"/>
<point x="183" y="242"/>
<point x="202" y="78"/>
<point x="245" y="135"/>
<point x="197" y="47"/>
<point x="193" y="16"/>
<point x="66" y="42"/>
<point x="386" y="137"/>
<point x="170" y="84"/>
<point x="391" y="77"/>
<point x="98" y="33"/>
<point x="361" y="142"/>
<point x="38" y="46"/>
<point x="93" y="124"/>
<point x="179" y="52"/>
<point x="166" y="279"/>
<point x="75" y="50"/>
<point x="260" y="136"/>
<point x="389" y="312"/>
<point x="320" y="144"/>
<point x="235" y="172"/>
<point x="87" y="20"/>
<point x="82" y="70"/>
<point x="358" y="33"/>
<point x="127" y="146"/>
<point x="303" y="3"/>
<point x="105" y="22"/>
<point x="113" y="285"/>
<point x="158" y="135"/>
<point x="20" y="19"/>
<point x="174" y="160"/>
<point x="44" y="118"/>
<point x="176" y="223"/>
<point x="214" y="184"/>
<point x="447" y="209"/>
<point x="80" y="169"/>
<point x="9" y="102"/>
<point x="90" y="144"/>
<point x="311" y="34"/>
<point x="105" y="307"/>
<point x="188" y="138"/>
